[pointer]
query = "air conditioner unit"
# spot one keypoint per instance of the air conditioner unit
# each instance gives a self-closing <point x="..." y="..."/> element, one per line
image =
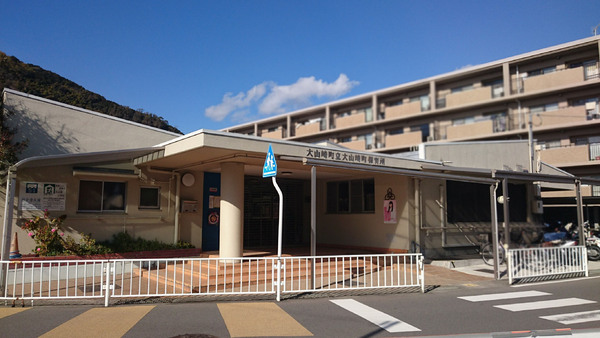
<point x="430" y="138"/>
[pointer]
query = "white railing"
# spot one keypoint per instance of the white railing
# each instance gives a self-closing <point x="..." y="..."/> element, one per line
<point x="546" y="261"/>
<point x="131" y="278"/>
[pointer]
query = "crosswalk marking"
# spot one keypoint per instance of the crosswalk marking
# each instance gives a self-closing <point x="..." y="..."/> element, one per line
<point x="505" y="295"/>
<point x="546" y="304"/>
<point x="259" y="320"/>
<point x="376" y="317"/>
<point x="575" y="317"/>
<point x="101" y="322"/>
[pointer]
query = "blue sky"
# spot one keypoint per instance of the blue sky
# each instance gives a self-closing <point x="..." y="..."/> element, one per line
<point x="215" y="64"/>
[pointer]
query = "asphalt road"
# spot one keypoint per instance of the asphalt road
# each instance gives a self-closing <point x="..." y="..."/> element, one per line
<point x="473" y="308"/>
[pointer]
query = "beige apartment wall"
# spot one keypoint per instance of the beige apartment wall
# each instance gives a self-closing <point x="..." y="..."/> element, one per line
<point x="148" y="224"/>
<point x="404" y="109"/>
<point x="586" y="191"/>
<point x="403" y="140"/>
<point x="468" y="96"/>
<point x="560" y="116"/>
<point x="356" y="144"/>
<point x="470" y="130"/>
<point x="558" y="78"/>
<point x="277" y="134"/>
<point x="308" y="129"/>
<point x="349" y="121"/>
<point x="557" y="156"/>
<point x="369" y="230"/>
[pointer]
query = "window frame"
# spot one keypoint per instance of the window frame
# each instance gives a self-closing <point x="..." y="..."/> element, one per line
<point x="150" y="207"/>
<point x="343" y="196"/>
<point x="102" y="197"/>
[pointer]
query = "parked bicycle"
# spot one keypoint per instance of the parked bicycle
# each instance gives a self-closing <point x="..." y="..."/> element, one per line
<point x="487" y="252"/>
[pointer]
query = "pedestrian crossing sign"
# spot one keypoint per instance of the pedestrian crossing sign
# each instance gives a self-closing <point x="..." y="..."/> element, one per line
<point x="270" y="167"/>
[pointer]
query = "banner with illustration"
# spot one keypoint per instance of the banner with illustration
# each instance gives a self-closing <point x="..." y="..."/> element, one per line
<point x="389" y="211"/>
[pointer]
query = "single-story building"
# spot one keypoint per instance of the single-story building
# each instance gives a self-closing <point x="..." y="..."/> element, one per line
<point x="206" y="188"/>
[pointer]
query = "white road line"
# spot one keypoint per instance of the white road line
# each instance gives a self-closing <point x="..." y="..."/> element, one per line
<point x="504" y="295"/>
<point x="576" y="317"/>
<point x="546" y="304"/>
<point x="383" y="320"/>
<point x="554" y="282"/>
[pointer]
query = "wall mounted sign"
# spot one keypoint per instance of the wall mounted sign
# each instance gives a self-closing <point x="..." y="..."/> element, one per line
<point x="342" y="156"/>
<point x="389" y="207"/>
<point x="42" y="196"/>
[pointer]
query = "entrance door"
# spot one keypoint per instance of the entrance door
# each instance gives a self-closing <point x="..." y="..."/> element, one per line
<point x="211" y="216"/>
<point x="261" y="212"/>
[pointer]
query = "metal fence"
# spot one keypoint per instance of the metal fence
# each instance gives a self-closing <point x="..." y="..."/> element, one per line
<point x="131" y="278"/>
<point x="546" y="261"/>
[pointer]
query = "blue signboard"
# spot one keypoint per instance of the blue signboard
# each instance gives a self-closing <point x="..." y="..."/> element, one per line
<point x="270" y="167"/>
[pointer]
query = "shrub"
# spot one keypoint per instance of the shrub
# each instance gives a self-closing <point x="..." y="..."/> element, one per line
<point x="47" y="234"/>
<point x="51" y="241"/>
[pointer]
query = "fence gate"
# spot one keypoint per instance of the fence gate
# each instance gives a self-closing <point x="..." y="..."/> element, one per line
<point x="136" y="278"/>
<point x="546" y="262"/>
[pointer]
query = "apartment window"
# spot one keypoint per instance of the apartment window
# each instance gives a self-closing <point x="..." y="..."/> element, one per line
<point x="149" y="198"/>
<point x="100" y="196"/>
<point x="461" y="89"/>
<point x="425" y="102"/>
<point x="549" y="144"/>
<point x="497" y="86"/>
<point x="397" y="131"/>
<point x="354" y="197"/>
<point x="368" y="113"/>
<point x="344" y="139"/>
<point x="424" y="129"/>
<point x="543" y="108"/>
<point x="499" y="121"/>
<point x="368" y="140"/>
<point x="542" y="71"/>
<point x="272" y="129"/>
<point x="463" y="120"/>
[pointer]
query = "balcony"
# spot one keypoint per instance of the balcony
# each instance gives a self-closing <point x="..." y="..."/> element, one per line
<point x="560" y="116"/>
<point x="571" y="155"/>
<point x="350" y="120"/>
<point x="308" y="128"/>
<point x="468" y="96"/>
<point x="586" y="191"/>
<point x="405" y="109"/>
<point x="403" y="140"/>
<point x="355" y="145"/>
<point x="482" y="128"/>
<point x="276" y="134"/>
<point x="554" y="79"/>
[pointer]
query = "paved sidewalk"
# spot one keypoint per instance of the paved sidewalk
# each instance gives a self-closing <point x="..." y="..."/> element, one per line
<point x="452" y="272"/>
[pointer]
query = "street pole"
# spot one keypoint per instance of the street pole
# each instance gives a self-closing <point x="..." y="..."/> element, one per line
<point x="279" y="237"/>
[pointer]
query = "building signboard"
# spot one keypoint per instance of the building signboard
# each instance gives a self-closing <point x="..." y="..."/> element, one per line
<point x="42" y="196"/>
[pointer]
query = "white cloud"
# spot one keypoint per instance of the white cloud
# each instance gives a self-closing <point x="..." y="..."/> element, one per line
<point x="232" y="103"/>
<point x="301" y="92"/>
<point x="279" y="99"/>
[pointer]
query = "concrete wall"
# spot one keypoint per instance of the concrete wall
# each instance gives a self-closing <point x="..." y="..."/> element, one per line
<point x="368" y="230"/>
<point x="53" y="128"/>
<point x="504" y="155"/>
<point x="149" y="224"/>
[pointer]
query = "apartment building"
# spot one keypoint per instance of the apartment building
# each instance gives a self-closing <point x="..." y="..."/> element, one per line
<point x="552" y="93"/>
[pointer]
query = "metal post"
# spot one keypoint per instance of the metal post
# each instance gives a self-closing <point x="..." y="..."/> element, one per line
<point x="580" y="213"/>
<point x="494" y="218"/>
<point x="313" y="224"/>
<point x="107" y="285"/>
<point x="279" y="237"/>
<point x="506" y="212"/>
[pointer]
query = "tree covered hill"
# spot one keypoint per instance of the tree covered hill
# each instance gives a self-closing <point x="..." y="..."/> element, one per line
<point x="34" y="80"/>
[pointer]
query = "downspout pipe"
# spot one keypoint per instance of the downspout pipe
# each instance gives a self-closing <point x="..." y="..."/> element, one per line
<point x="177" y="206"/>
<point x="8" y="213"/>
<point x="177" y="199"/>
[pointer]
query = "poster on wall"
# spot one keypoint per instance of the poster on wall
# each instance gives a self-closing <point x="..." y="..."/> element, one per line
<point x="42" y="196"/>
<point x="389" y="211"/>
